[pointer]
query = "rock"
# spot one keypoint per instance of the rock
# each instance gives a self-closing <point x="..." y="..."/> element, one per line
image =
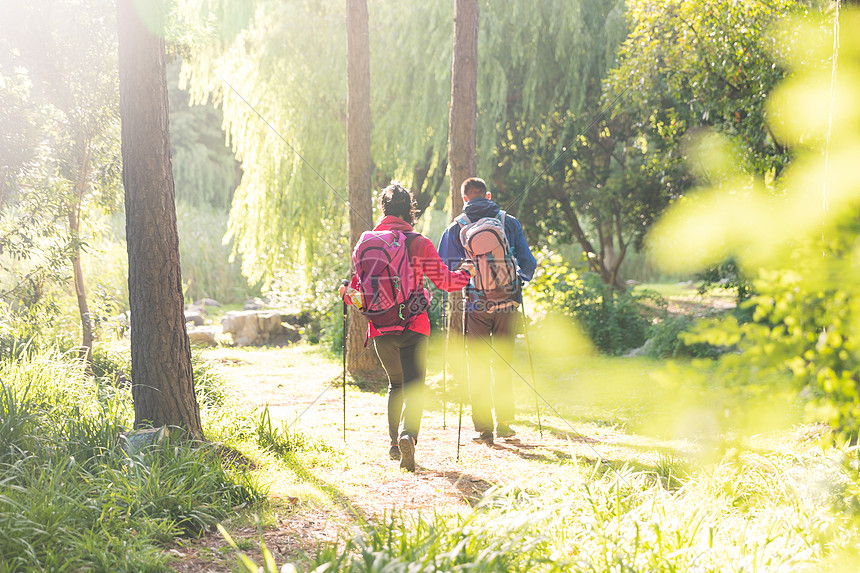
<point x="302" y="318"/>
<point x="255" y="304"/>
<point x="133" y="442"/>
<point x="194" y="316"/>
<point x="252" y="327"/>
<point x="289" y="335"/>
<point x="205" y="335"/>
<point x="642" y="350"/>
<point x="203" y="302"/>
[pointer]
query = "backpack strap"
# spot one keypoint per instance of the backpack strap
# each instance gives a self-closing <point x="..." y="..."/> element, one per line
<point x="410" y="237"/>
<point x="463" y="219"/>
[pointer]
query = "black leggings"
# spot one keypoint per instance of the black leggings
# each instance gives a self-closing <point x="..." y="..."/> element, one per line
<point x="404" y="358"/>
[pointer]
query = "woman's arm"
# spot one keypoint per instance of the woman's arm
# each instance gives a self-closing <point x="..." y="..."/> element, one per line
<point x="427" y="261"/>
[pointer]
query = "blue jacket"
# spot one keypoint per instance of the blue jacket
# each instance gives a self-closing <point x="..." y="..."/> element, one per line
<point x="451" y="250"/>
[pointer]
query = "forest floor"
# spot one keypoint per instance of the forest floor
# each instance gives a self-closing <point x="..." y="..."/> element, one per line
<point x="325" y="493"/>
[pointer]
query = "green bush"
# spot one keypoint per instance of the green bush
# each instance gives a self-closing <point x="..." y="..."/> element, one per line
<point x="33" y="326"/>
<point x="668" y="339"/>
<point x="614" y="321"/>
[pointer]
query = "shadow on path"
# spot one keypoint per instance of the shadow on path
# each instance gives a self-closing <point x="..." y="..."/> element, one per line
<point x="527" y="451"/>
<point x="471" y="488"/>
<point x="334" y="494"/>
<point x="561" y="433"/>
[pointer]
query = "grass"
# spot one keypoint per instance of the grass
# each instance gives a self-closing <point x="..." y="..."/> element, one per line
<point x="747" y="513"/>
<point x="71" y="498"/>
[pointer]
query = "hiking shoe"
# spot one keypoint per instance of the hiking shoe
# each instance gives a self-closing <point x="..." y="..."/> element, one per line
<point x="394" y="452"/>
<point x="407" y="453"/>
<point x="505" y="431"/>
<point x="485" y="438"/>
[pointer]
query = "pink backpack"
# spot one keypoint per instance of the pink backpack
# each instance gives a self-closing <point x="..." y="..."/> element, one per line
<point x="386" y="280"/>
<point x="486" y="244"/>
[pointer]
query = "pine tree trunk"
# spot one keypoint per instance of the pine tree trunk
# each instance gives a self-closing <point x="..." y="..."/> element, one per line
<point x="162" y="380"/>
<point x="462" y="121"/>
<point x="360" y="360"/>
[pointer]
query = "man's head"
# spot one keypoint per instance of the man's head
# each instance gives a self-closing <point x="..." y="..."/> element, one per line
<point x="473" y="188"/>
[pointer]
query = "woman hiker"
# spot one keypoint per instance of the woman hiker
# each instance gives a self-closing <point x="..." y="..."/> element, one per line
<point x="401" y="346"/>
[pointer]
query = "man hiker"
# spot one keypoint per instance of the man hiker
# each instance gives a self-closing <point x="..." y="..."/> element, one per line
<point x="495" y="243"/>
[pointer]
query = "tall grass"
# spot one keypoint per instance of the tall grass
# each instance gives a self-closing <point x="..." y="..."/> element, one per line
<point x="72" y="499"/>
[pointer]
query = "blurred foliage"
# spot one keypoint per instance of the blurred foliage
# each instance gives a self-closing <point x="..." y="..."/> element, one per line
<point x="614" y="321"/>
<point x="205" y="172"/>
<point x="800" y="243"/>
<point x="207" y="268"/>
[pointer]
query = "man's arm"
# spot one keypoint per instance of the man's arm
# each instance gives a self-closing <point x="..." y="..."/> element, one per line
<point x="450" y="250"/>
<point x="523" y="253"/>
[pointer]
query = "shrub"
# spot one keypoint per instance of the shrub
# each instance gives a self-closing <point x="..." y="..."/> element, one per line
<point x="800" y="338"/>
<point x="614" y="321"/>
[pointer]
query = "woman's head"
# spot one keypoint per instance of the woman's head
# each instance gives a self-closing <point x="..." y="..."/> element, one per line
<point x="398" y="201"/>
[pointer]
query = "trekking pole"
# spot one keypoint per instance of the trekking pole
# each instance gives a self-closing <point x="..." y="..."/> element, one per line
<point x="343" y="352"/>
<point x="466" y="360"/>
<point x="532" y="366"/>
<point x="444" y="360"/>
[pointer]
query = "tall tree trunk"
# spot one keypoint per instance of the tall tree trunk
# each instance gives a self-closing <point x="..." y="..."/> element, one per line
<point x="162" y="379"/>
<point x="359" y="165"/>
<point x="462" y="121"/>
<point x="74" y="216"/>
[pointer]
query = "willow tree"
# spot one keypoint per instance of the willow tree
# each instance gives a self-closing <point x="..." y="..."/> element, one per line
<point x="538" y="88"/>
<point x="162" y="377"/>
<point x="555" y="161"/>
<point x="282" y="90"/>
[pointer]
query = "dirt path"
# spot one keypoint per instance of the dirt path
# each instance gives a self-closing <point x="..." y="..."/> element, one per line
<point x="319" y="502"/>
